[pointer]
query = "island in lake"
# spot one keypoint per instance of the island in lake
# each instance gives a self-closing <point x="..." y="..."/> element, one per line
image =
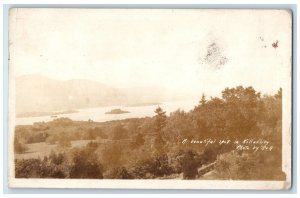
<point x="117" y="111"/>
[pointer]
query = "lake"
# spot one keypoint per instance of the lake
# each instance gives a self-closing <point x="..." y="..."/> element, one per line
<point x="97" y="114"/>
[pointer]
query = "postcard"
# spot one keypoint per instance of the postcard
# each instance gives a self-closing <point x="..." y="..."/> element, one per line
<point x="150" y="98"/>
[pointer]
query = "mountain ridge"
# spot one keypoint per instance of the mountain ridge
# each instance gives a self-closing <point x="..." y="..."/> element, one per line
<point x="37" y="93"/>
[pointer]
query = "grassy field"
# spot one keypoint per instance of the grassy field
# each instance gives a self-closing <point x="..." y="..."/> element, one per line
<point x="43" y="149"/>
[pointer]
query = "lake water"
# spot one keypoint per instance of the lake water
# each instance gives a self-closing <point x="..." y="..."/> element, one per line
<point x="97" y="114"/>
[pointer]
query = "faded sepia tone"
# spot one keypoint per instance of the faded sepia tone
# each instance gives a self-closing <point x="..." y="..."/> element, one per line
<point x="140" y="98"/>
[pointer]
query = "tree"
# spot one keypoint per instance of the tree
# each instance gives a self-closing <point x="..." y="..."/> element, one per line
<point x="57" y="158"/>
<point x="178" y="127"/>
<point x="93" y="133"/>
<point x="160" y="123"/>
<point x="203" y="100"/>
<point x="138" y="141"/>
<point x="249" y="166"/>
<point x="279" y="94"/>
<point x="159" y="144"/>
<point x="211" y="118"/>
<point x="37" y="168"/>
<point x="160" y="119"/>
<point x="119" y="132"/>
<point x="157" y="166"/>
<point x="241" y="110"/>
<point x="112" y="155"/>
<point x="85" y="164"/>
<point x="189" y="163"/>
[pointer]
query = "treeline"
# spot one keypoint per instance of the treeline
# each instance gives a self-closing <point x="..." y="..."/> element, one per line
<point x="151" y="147"/>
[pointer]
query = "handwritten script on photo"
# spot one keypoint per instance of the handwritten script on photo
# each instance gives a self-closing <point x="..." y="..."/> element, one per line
<point x="240" y="145"/>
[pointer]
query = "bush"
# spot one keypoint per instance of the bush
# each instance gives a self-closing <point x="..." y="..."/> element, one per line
<point x="36" y="168"/>
<point x="29" y="168"/>
<point x="36" y="138"/>
<point x="57" y="159"/>
<point x="138" y="141"/>
<point x="120" y="173"/>
<point x="97" y="132"/>
<point x="157" y="167"/>
<point x="211" y="152"/>
<point x="119" y="132"/>
<point x="189" y="162"/>
<point x="247" y="167"/>
<point x="112" y="155"/>
<point x="85" y="164"/>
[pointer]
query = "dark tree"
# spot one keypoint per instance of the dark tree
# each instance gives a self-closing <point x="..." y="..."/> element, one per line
<point x="138" y="141"/>
<point x="160" y="123"/>
<point x="160" y="119"/>
<point x="85" y="164"/>
<point x="189" y="164"/>
<point x="203" y="100"/>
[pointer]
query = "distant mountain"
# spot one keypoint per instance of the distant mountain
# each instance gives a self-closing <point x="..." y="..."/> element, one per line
<point x="36" y="93"/>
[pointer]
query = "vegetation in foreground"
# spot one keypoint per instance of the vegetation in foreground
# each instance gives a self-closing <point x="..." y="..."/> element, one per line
<point x="148" y="148"/>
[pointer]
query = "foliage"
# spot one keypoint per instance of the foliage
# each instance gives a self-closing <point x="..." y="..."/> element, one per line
<point x="85" y="164"/>
<point x="37" y="137"/>
<point x="119" y="132"/>
<point x="247" y="166"/>
<point x="160" y="119"/>
<point x="112" y="156"/>
<point x="138" y="141"/>
<point x="37" y="168"/>
<point x="64" y="141"/>
<point x="136" y="148"/>
<point x="119" y="173"/>
<point x="20" y="147"/>
<point x="189" y="163"/>
<point x="160" y="123"/>
<point x="179" y="125"/>
<point x="156" y="166"/>
<point x="57" y="159"/>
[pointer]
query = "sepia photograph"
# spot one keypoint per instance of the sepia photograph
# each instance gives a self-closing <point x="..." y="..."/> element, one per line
<point x="150" y="98"/>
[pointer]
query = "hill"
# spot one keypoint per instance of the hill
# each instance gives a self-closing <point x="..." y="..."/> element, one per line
<point x="35" y="93"/>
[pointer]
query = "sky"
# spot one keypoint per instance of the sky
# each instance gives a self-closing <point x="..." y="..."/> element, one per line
<point x="182" y="51"/>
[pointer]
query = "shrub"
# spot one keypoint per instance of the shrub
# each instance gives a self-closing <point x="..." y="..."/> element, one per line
<point x="36" y="168"/>
<point x="97" y="132"/>
<point x="57" y="159"/>
<point x="29" y="168"/>
<point x="119" y="132"/>
<point x="138" y="141"/>
<point x="247" y="167"/>
<point x="189" y="162"/>
<point x="36" y="138"/>
<point x="112" y="155"/>
<point x="85" y="164"/>
<point x="157" y="167"/>
<point x="120" y="173"/>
